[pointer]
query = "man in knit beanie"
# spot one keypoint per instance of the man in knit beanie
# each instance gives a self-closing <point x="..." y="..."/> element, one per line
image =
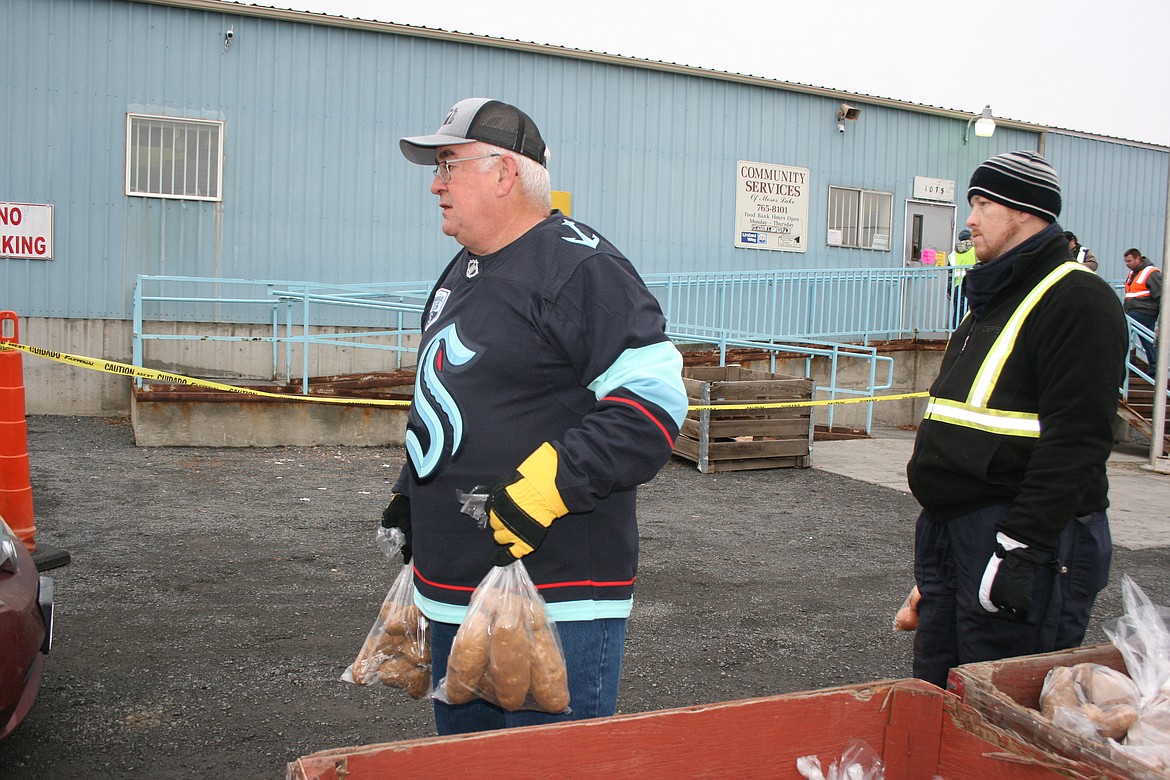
<point x="1012" y="544"/>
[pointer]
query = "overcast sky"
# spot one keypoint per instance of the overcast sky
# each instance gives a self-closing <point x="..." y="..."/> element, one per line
<point x="1098" y="66"/>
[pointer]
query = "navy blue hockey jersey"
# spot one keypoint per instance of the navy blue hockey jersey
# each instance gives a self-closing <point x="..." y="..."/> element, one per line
<point x="553" y="338"/>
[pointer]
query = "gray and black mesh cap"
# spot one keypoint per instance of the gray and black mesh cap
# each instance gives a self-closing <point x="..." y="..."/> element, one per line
<point x="479" y="119"/>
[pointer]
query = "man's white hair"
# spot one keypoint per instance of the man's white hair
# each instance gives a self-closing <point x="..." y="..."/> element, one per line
<point x="535" y="183"/>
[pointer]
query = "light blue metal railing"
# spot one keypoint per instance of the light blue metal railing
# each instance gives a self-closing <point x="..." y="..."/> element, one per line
<point x="812" y="314"/>
<point x="1137" y="334"/>
<point x="809" y="313"/>
<point x="291" y="310"/>
<point x="847" y="305"/>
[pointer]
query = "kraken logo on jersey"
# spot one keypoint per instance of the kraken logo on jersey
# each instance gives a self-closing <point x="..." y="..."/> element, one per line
<point x="434" y="405"/>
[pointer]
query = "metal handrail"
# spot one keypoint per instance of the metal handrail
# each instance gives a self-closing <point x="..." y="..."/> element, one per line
<point x="1137" y="333"/>
<point x="832" y="315"/>
<point x="284" y="307"/>
<point x="811" y="313"/>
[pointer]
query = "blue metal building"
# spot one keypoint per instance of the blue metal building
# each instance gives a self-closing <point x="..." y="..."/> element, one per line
<point x="165" y="146"/>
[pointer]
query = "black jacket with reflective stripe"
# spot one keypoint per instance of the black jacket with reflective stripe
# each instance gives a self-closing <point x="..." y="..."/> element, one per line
<point x="1064" y="368"/>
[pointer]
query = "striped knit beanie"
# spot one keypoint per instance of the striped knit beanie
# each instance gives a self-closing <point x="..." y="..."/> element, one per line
<point x="1023" y="181"/>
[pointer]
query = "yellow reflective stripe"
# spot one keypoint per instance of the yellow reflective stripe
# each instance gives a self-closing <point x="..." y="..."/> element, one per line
<point x="998" y="421"/>
<point x="993" y="364"/>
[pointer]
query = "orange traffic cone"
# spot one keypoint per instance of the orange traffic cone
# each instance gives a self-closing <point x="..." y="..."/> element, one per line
<point x="16" y="504"/>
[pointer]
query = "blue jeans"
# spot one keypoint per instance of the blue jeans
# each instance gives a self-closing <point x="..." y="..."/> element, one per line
<point x="593" y="655"/>
<point x="953" y="629"/>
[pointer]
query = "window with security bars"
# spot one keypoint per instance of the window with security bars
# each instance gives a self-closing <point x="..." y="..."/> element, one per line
<point x="173" y="158"/>
<point x="860" y="218"/>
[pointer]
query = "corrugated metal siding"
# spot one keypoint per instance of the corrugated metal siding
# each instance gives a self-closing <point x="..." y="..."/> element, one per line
<point x="315" y="188"/>
<point x="1114" y="198"/>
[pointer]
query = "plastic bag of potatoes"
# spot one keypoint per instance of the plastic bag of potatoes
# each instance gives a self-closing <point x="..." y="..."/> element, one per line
<point x="397" y="650"/>
<point x="906" y="618"/>
<point x="507" y="650"/>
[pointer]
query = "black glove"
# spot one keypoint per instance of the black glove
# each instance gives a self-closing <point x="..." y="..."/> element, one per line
<point x="397" y="515"/>
<point x="1007" y="580"/>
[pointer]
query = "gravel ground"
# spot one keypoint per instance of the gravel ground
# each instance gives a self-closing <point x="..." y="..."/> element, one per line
<point x="215" y="596"/>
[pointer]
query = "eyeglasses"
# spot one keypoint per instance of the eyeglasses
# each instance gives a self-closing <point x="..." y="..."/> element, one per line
<point x="443" y="169"/>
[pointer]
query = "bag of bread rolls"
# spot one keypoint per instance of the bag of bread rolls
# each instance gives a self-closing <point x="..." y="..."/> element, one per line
<point x="397" y="650"/>
<point x="1090" y="699"/>
<point x="1148" y="739"/>
<point x="507" y="650"/>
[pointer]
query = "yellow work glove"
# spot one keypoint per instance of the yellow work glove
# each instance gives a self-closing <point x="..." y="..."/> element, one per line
<point x="522" y="507"/>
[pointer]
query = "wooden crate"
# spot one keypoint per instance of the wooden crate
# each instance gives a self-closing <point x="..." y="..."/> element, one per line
<point x="1007" y="694"/>
<point x="735" y="440"/>
<point x="920" y="731"/>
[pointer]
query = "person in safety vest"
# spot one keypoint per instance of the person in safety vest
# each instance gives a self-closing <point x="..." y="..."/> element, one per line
<point x="963" y="257"/>
<point x="1143" y="296"/>
<point x="546" y="379"/>
<point x="1012" y="544"/>
<point x="1080" y="253"/>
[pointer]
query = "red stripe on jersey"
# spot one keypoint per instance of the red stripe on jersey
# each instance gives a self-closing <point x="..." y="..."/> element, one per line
<point x="643" y="410"/>
<point x="576" y="584"/>
<point x="434" y="584"/>
<point x="587" y="584"/>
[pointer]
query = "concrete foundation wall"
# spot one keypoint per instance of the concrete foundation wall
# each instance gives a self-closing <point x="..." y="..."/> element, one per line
<point x="276" y="424"/>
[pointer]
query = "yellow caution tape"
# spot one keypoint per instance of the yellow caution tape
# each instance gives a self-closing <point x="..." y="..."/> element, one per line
<point x="124" y="369"/>
<point x="788" y="404"/>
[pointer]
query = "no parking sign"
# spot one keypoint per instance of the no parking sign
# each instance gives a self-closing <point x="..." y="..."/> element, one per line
<point x="26" y="231"/>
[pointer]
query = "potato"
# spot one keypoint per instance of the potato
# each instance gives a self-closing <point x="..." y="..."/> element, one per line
<point x="510" y="659"/>
<point x="550" y="678"/>
<point x="469" y="658"/>
<point x="906" y="618"/>
<point x="377" y="647"/>
<point x="417" y="682"/>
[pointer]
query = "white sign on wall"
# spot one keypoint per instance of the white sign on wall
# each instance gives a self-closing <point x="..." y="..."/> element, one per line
<point x="26" y="231"/>
<point x="934" y="189"/>
<point x="771" y="206"/>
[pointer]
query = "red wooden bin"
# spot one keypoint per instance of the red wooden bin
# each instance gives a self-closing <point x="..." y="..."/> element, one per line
<point x="920" y="731"/>
<point x="1007" y="694"/>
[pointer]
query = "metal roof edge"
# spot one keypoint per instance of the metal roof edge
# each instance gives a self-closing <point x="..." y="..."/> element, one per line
<point x="371" y="25"/>
<point x="1108" y="138"/>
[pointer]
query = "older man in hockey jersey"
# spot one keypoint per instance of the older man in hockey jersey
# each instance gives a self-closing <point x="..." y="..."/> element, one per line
<point x="545" y="372"/>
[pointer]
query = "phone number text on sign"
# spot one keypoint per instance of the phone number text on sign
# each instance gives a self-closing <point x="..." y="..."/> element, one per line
<point x="771" y="206"/>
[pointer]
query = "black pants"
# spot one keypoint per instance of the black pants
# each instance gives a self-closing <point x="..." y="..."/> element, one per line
<point x="953" y="629"/>
<point x="1150" y="320"/>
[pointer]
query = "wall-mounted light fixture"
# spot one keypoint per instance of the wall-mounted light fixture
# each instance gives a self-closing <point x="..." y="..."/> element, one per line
<point x="846" y="113"/>
<point x="984" y="125"/>
<point x="228" y="34"/>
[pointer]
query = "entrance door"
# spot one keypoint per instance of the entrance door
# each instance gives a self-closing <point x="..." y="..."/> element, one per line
<point x="929" y="226"/>
<point x="930" y="230"/>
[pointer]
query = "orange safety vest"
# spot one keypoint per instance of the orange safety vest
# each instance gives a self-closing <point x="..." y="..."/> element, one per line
<point x="1135" y="285"/>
